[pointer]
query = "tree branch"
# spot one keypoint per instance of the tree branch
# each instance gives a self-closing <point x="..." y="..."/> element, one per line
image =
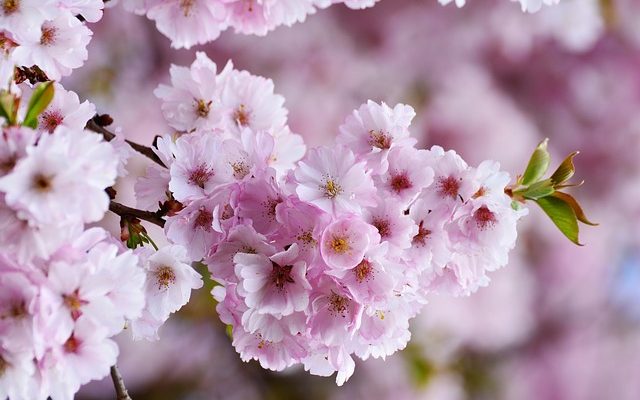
<point x="109" y="136"/>
<point x="118" y="383"/>
<point x="125" y="211"/>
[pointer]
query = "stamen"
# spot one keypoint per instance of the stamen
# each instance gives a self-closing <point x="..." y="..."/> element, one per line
<point x="71" y="345"/>
<point x="340" y="244"/>
<point x="338" y="304"/>
<point x="307" y="238"/>
<point x="74" y="303"/>
<point x="165" y="277"/>
<point x="50" y="120"/>
<point x="363" y="271"/>
<point x="400" y="182"/>
<point x="201" y="175"/>
<point x="48" y="36"/>
<point x="202" y="108"/>
<point x="280" y="275"/>
<point x="331" y="189"/>
<point x="4" y="366"/>
<point x="420" y="238"/>
<point x="240" y="169"/>
<point x="10" y="6"/>
<point x="383" y="226"/>
<point x="379" y="139"/>
<point x="448" y="187"/>
<point x="203" y="220"/>
<point x="241" y="116"/>
<point x="484" y="217"/>
<point x="186" y="6"/>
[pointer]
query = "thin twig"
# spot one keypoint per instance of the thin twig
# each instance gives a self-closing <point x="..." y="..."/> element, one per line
<point x="118" y="383"/>
<point x="125" y="211"/>
<point x="109" y="136"/>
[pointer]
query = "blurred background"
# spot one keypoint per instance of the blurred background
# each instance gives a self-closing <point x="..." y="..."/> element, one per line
<point x="560" y="322"/>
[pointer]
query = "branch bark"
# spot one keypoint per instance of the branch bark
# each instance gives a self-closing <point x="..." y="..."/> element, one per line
<point x="118" y="383"/>
<point x="125" y="211"/>
<point x="109" y="136"/>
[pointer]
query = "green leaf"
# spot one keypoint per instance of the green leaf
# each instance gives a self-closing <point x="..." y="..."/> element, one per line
<point x="538" y="164"/>
<point x="8" y="106"/>
<point x="565" y="171"/>
<point x="562" y="215"/>
<point x="538" y="190"/>
<point x="577" y="209"/>
<point x="40" y="99"/>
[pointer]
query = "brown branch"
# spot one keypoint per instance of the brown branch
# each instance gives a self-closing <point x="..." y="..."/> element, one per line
<point x="125" y="211"/>
<point x="118" y="383"/>
<point x="109" y="136"/>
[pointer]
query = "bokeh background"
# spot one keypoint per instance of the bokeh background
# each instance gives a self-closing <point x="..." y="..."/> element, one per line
<point x="560" y="322"/>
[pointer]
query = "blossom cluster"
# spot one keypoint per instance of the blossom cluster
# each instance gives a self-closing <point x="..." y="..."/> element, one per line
<point x="51" y="34"/>
<point x="326" y="255"/>
<point x="190" y="22"/>
<point x="65" y="290"/>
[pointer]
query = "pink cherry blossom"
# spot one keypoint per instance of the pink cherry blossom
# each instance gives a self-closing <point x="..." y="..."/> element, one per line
<point x="375" y="128"/>
<point x="194" y="173"/>
<point x="192" y="101"/>
<point x="65" y="110"/>
<point x="273" y="284"/>
<point x="407" y="175"/>
<point x="57" y="46"/>
<point x="345" y="241"/>
<point x="331" y="179"/>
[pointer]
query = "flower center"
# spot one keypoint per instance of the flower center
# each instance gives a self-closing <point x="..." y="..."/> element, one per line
<point x="240" y="169"/>
<point x="249" y="5"/>
<point x="18" y="310"/>
<point x="400" y="182"/>
<point x="42" y="183"/>
<point x="74" y="303"/>
<point x="379" y="139"/>
<point x="202" y="108"/>
<point x="200" y="176"/>
<point x="484" y="218"/>
<point x="481" y="192"/>
<point x="186" y="6"/>
<point x="50" y="120"/>
<point x="383" y="227"/>
<point x="10" y="6"/>
<point x="262" y="343"/>
<point x="227" y="212"/>
<point x="338" y="304"/>
<point x="281" y="275"/>
<point x="331" y="189"/>
<point x="363" y="271"/>
<point x="241" y="115"/>
<point x="270" y="206"/>
<point x="448" y="187"/>
<point x="72" y="344"/>
<point x="203" y="220"/>
<point x="165" y="277"/>
<point x="340" y="244"/>
<point x="421" y="237"/>
<point x="48" y="35"/>
<point x="7" y="165"/>
<point x="307" y="238"/>
<point x="4" y="366"/>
